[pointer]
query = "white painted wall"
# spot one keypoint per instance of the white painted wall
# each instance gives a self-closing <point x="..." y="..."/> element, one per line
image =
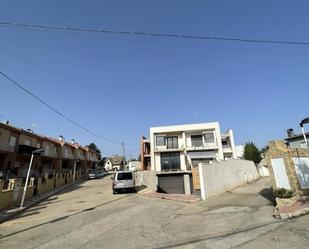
<point x="218" y="177"/>
<point x="108" y="165"/>
<point x="281" y="177"/>
<point x="263" y="170"/>
<point x="239" y="151"/>
<point x="134" y="165"/>
<point x="302" y="171"/>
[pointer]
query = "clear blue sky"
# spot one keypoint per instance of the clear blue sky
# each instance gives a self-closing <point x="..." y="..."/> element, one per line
<point x="128" y="84"/>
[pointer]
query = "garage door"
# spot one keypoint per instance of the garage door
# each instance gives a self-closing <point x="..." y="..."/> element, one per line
<point x="171" y="184"/>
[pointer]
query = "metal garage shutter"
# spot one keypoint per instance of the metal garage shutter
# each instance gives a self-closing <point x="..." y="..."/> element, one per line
<point x="171" y="184"/>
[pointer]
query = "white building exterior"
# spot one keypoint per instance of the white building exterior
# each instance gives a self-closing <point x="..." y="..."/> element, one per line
<point x="134" y="165"/>
<point x="181" y="147"/>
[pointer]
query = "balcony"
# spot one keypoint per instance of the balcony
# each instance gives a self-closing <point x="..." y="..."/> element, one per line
<point x="6" y="147"/>
<point x="165" y="148"/>
<point x="49" y="153"/>
<point x="227" y="149"/>
<point x="68" y="156"/>
<point x="203" y="147"/>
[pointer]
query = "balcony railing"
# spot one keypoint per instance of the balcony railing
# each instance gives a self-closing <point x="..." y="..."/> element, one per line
<point x="169" y="148"/>
<point x="68" y="155"/>
<point x="203" y="147"/>
<point x="49" y="153"/>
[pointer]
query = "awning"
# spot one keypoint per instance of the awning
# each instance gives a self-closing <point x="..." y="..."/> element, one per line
<point x="202" y="154"/>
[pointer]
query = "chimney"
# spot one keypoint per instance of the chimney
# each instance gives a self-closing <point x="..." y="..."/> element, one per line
<point x="7" y="122"/>
<point x="61" y="138"/>
<point x="72" y="141"/>
<point x="290" y="133"/>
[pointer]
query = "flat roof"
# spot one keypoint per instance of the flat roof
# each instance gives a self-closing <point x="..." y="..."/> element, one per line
<point x="185" y="127"/>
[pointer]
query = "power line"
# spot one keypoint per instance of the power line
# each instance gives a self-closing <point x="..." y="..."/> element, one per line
<point x="44" y="68"/>
<point x="58" y="112"/>
<point x="149" y="34"/>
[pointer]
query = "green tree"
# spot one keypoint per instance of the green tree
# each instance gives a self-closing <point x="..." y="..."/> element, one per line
<point x="252" y="153"/>
<point x="93" y="146"/>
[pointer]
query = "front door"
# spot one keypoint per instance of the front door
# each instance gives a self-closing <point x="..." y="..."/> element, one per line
<point x="196" y="173"/>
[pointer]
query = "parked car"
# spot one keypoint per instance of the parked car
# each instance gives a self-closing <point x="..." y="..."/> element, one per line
<point x="123" y="180"/>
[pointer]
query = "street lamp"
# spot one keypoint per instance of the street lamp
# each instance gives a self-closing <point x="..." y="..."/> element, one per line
<point x="304" y="121"/>
<point x="74" y="171"/>
<point x="28" y="174"/>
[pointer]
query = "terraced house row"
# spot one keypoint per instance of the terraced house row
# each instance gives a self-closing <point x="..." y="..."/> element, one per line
<point x="51" y="169"/>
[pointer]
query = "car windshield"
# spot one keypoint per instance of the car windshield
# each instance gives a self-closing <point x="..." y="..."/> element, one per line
<point x="124" y="176"/>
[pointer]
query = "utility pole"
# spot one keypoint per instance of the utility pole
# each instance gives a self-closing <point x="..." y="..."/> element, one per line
<point x="123" y="152"/>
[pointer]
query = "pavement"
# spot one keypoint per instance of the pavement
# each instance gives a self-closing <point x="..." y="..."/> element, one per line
<point x="10" y="212"/>
<point x="90" y="216"/>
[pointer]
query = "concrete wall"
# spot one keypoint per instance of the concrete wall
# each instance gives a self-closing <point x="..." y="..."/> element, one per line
<point x="218" y="177"/>
<point x="146" y="178"/>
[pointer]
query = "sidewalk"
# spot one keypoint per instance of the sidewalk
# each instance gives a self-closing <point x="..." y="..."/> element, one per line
<point x="173" y="197"/>
<point x="8" y="213"/>
<point x="300" y="207"/>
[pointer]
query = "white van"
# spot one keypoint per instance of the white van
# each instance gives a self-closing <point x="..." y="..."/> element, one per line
<point x="123" y="180"/>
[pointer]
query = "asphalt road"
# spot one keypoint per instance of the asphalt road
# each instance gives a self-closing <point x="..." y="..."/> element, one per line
<point x="90" y="216"/>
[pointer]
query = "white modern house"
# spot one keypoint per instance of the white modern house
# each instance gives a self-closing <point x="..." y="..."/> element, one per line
<point x="181" y="147"/>
<point x="176" y="152"/>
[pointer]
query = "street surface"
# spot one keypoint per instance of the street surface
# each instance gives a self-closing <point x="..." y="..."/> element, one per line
<point x="92" y="217"/>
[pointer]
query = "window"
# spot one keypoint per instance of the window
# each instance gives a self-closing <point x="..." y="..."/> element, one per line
<point x="12" y="141"/>
<point x="209" y="137"/>
<point x="160" y="140"/>
<point x="224" y="142"/>
<point x="170" y="161"/>
<point x="38" y="145"/>
<point x="55" y="149"/>
<point x="196" y="140"/>
<point x="172" y="142"/>
<point x="47" y="147"/>
<point x="27" y="142"/>
<point x="124" y="176"/>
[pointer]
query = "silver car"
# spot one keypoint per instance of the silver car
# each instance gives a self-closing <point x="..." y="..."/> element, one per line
<point x="123" y="180"/>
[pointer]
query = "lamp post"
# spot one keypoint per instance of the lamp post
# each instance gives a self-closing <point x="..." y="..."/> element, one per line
<point x="304" y="121"/>
<point x="28" y="174"/>
<point x="74" y="171"/>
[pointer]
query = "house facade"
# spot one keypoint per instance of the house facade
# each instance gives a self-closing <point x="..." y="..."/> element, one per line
<point x="176" y="151"/>
<point x="181" y="147"/>
<point x="145" y="153"/>
<point x="114" y="163"/>
<point x="60" y="162"/>
<point x="296" y="140"/>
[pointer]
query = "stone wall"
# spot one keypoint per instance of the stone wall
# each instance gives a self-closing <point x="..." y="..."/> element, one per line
<point x="278" y="149"/>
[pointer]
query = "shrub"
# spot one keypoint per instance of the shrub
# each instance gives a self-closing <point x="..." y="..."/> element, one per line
<point x="283" y="193"/>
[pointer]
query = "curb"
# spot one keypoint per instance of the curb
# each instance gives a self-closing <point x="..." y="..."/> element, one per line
<point x="286" y="216"/>
<point x="17" y="212"/>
